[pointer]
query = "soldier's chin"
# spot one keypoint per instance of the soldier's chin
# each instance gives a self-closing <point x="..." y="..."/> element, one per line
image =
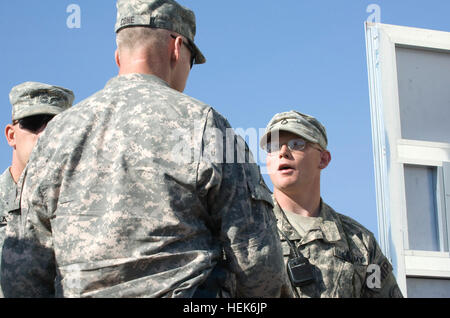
<point x="286" y="185"/>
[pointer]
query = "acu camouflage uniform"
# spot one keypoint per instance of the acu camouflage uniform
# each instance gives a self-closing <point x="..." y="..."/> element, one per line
<point x="27" y="99"/>
<point x="340" y="250"/>
<point x="8" y="206"/>
<point x="8" y="192"/>
<point x="121" y="199"/>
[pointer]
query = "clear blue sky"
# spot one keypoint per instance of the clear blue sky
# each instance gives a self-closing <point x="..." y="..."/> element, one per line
<point x="263" y="57"/>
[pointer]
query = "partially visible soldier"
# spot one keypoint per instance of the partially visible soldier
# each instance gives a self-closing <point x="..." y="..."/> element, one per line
<point x="33" y="106"/>
<point x="129" y="194"/>
<point x="327" y="254"/>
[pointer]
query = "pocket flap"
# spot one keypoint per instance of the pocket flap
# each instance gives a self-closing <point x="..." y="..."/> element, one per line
<point x="260" y="192"/>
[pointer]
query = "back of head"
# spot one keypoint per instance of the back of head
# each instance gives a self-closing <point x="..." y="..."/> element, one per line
<point x="143" y="38"/>
<point x="154" y="15"/>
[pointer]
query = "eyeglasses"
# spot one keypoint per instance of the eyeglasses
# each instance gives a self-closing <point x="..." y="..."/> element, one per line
<point x="190" y="48"/>
<point x="293" y="145"/>
<point x="34" y="124"/>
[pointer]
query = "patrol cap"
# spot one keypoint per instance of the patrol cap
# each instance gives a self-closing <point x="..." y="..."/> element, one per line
<point x="33" y="98"/>
<point x="159" y="14"/>
<point x="297" y="123"/>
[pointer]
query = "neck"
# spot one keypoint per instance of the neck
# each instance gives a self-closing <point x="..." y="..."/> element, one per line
<point x="140" y="63"/>
<point x="16" y="168"/>
<point x="303" y="202"/>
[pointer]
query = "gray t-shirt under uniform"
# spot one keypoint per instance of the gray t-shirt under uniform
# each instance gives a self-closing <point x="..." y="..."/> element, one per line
<point x="302" y="224"/>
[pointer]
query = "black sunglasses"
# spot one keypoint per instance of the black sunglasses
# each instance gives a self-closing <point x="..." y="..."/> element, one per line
<point x="190" y="48"/>
<point x="34" y="124"/>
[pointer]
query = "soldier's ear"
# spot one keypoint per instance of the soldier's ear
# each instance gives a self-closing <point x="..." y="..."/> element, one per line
<point x="325" y="158"/>
<point x="175" y="50"/>
<point x="117" y="57"/>
<point x="10" y="134"/>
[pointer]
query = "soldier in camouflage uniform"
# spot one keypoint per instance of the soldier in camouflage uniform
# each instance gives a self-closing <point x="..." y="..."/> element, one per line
<point x="33" y="106"/>
<point x="131" y="195"/>
<point x="326" y="253"/>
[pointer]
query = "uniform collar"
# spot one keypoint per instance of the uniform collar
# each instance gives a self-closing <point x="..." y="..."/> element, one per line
<point x="329" y="224"/>
<point x="326" y="226"/>
<point x="136" y="77"/>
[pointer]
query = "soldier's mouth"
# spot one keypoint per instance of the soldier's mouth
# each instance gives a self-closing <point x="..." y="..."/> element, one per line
<point x="285" y="167"/>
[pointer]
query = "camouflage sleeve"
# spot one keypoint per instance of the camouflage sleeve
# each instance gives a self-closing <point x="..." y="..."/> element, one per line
<point x="240" y="206"/>
<point x="30" y="268"/>
<point x="380" y="279"/>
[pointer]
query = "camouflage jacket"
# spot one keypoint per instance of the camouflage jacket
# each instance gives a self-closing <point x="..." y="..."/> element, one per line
<point x="128" y="194"/>
<point x="340" y="251"/>
<point x="8" y="206"/>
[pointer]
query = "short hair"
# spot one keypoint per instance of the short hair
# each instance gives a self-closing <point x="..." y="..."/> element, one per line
<point x="136" y="37"/>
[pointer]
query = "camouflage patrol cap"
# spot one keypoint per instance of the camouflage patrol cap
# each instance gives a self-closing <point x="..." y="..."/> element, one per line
<point x="297" y="123"/>
<point x="159" y="14"/>
<point x="33" y="98"/>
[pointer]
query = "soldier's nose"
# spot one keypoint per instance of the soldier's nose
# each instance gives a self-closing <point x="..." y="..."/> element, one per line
<point x="284" y="151"/>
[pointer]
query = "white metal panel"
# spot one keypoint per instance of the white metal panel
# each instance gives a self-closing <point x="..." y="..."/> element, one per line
<point x="386" y="130"/>
<point x="428" y="266"/>
<point x="415" y="37"/>
<point x="379" y="138"/>
<point x="423" y="152"/>
<point x="391" y="150"/>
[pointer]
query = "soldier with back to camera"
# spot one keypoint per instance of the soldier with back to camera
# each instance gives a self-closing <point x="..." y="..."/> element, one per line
<point x="113" y="208"/>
